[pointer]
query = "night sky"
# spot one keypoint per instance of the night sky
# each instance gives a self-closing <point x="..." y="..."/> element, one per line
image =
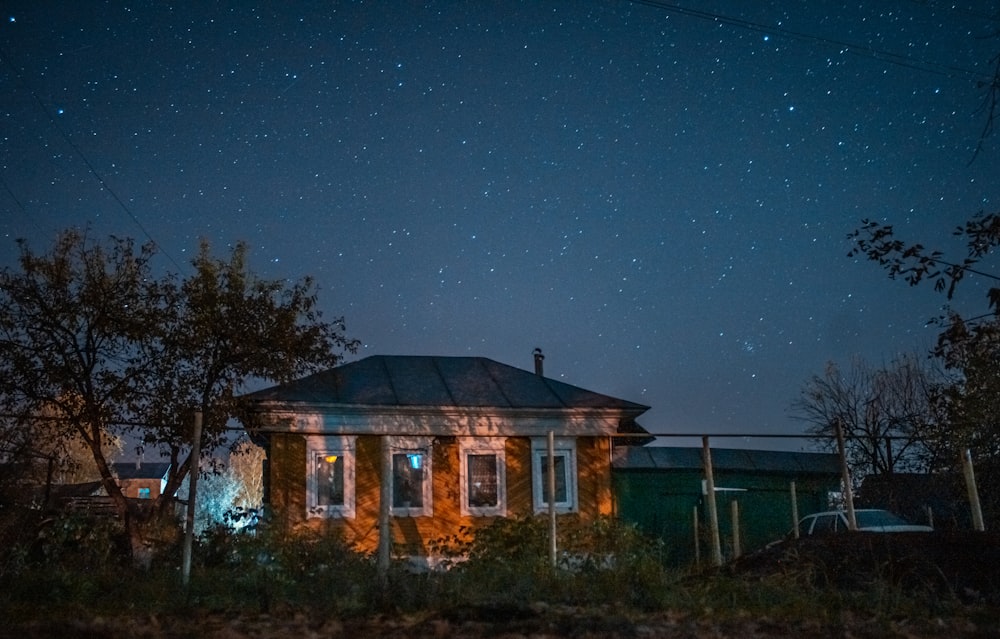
<point x="656" y="194"/>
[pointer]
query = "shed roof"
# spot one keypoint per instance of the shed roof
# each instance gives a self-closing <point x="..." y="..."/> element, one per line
<point x="666" y="458"/>
<point x="413" y="380"/>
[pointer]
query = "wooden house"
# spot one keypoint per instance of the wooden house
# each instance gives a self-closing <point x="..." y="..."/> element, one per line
<point x="432" y="444"/>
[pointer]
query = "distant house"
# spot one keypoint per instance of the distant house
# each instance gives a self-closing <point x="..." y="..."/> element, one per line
<point x="662" y="491"/>
<point x="141" y="480"/>
<point x="453" y="441"/>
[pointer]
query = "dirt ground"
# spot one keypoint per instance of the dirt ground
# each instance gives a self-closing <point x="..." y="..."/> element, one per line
<point x="503" y="625"/>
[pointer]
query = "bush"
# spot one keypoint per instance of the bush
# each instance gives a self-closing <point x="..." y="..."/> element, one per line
<point x="509" y="561"/>
<point x="264" y="569"/>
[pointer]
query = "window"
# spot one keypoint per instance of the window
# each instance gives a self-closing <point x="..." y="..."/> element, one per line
<point x="411" y="477"/>
<point x="145" y="493"/>
<point x="330" y="490"/>
<point x="564" y="463"/>
<point x="483" y="477"/>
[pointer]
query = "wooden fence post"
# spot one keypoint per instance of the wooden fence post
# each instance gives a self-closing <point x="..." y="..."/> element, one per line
<point x="795" y="509"/>
<point x="734" y="507"/>
<point x="697" y="538"/>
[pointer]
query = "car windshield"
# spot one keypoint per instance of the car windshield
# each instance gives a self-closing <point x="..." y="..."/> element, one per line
<point x="877" y="518"/>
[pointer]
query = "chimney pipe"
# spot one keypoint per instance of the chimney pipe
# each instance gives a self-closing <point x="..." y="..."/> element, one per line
<point x="539" y="358"/>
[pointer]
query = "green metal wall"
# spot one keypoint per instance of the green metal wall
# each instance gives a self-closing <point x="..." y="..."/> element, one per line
<point x="662" y="503"/>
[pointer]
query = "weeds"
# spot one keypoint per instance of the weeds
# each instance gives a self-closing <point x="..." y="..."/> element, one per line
<point x="602" y="566"/>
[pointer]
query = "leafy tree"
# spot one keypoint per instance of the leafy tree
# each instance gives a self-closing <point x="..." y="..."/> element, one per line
<point x="885" y="413"/>
<point x="246" y="462"/>
<point x="969" y="348"/>
<point x="232" y="492"/>
<point x="89" y="331"/>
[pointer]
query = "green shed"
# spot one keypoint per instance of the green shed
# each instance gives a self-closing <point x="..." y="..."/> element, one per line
<point x="662" y="489"/>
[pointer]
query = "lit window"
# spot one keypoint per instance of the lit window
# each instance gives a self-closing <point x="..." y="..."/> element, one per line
<point x="330" y="490"/>
<point x="483" y="477"/>
<point x="564" y="465"/>
<point x="145" y="493"/>
<point x="411" y="477"/>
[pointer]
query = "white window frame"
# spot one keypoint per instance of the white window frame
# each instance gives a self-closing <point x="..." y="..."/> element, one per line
<point x="413" y="445"/>
<point x="563" y="447"/>
<point x="483" y="446"/>
<point x="317" y="447"/>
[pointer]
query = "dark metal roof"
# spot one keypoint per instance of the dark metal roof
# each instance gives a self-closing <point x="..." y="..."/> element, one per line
<point x="731" y="459"/>
<point x="411" y="380"/>
<point x="129" y="470"/>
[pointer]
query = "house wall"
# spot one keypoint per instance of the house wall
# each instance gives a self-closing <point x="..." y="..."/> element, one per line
<point x="415" y="535"/>
<point x="130" y="487"/>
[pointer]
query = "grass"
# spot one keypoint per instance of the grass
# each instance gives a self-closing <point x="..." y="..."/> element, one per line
<point x="607" y="572"/>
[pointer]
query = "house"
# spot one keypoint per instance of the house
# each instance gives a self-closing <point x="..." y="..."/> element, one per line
<point x="662" y="490"/>
<point x="452" y="441"/>
<point x="141" y="480"/>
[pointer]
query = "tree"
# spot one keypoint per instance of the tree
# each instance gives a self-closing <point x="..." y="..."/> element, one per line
<point x="246" y="463"/>
<point x="234" y="492"/>
<point x="969" y="348"/>
<point x="89" y="331"/>
<point x="885" y="413"/>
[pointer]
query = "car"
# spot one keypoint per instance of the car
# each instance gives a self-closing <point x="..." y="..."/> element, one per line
<point x="868" y="519"/>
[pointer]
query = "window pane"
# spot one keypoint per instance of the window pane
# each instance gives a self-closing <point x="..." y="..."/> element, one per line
<point x="408" y="480"/>
<point x="329" y="479"/>
<point x="560" y="465"/>
<point x="482" y="471"/>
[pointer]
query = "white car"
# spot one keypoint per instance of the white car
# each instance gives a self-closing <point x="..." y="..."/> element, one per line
<point x="868" y="519"/>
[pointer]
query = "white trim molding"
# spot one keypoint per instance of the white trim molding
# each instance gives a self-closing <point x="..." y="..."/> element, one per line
<point x="330" y="463"/>
<point x="566" y="484"/>
<point x="411" y="464"/>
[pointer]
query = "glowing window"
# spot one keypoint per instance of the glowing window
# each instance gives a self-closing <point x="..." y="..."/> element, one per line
<point x="411" y="477"/>
<point x="483" y="477"/>
<point x="330" y="488"/>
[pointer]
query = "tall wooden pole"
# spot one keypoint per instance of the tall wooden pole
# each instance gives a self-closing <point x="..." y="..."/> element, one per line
<point x="713" y="513"/>
<point x="551" y="490"/>
<point x="973" y="491"/>
<point x="845" y="476"/>
<point x="384" y="512"/>
<point x="192" y="498"/>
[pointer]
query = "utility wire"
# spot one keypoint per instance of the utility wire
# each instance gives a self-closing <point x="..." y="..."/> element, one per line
<point x="862" y="50"/>
<point x="86" y="161"/>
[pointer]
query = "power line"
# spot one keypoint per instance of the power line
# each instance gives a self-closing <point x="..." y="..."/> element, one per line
<point x="79" y="152"/>
<point x="867" y="51"/>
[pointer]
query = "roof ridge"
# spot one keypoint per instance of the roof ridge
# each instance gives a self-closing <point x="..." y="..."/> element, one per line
<point x="388" y="376"/>
<point x="443" y="379"/>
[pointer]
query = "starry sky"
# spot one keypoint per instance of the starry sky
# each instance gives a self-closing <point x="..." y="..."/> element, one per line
<point x="657" y="194"/>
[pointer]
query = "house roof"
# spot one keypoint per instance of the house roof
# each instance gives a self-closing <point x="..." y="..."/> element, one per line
<point x="665" y="458"/>
<point x="144" y="470"/>
<point x="411" y="381"/>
